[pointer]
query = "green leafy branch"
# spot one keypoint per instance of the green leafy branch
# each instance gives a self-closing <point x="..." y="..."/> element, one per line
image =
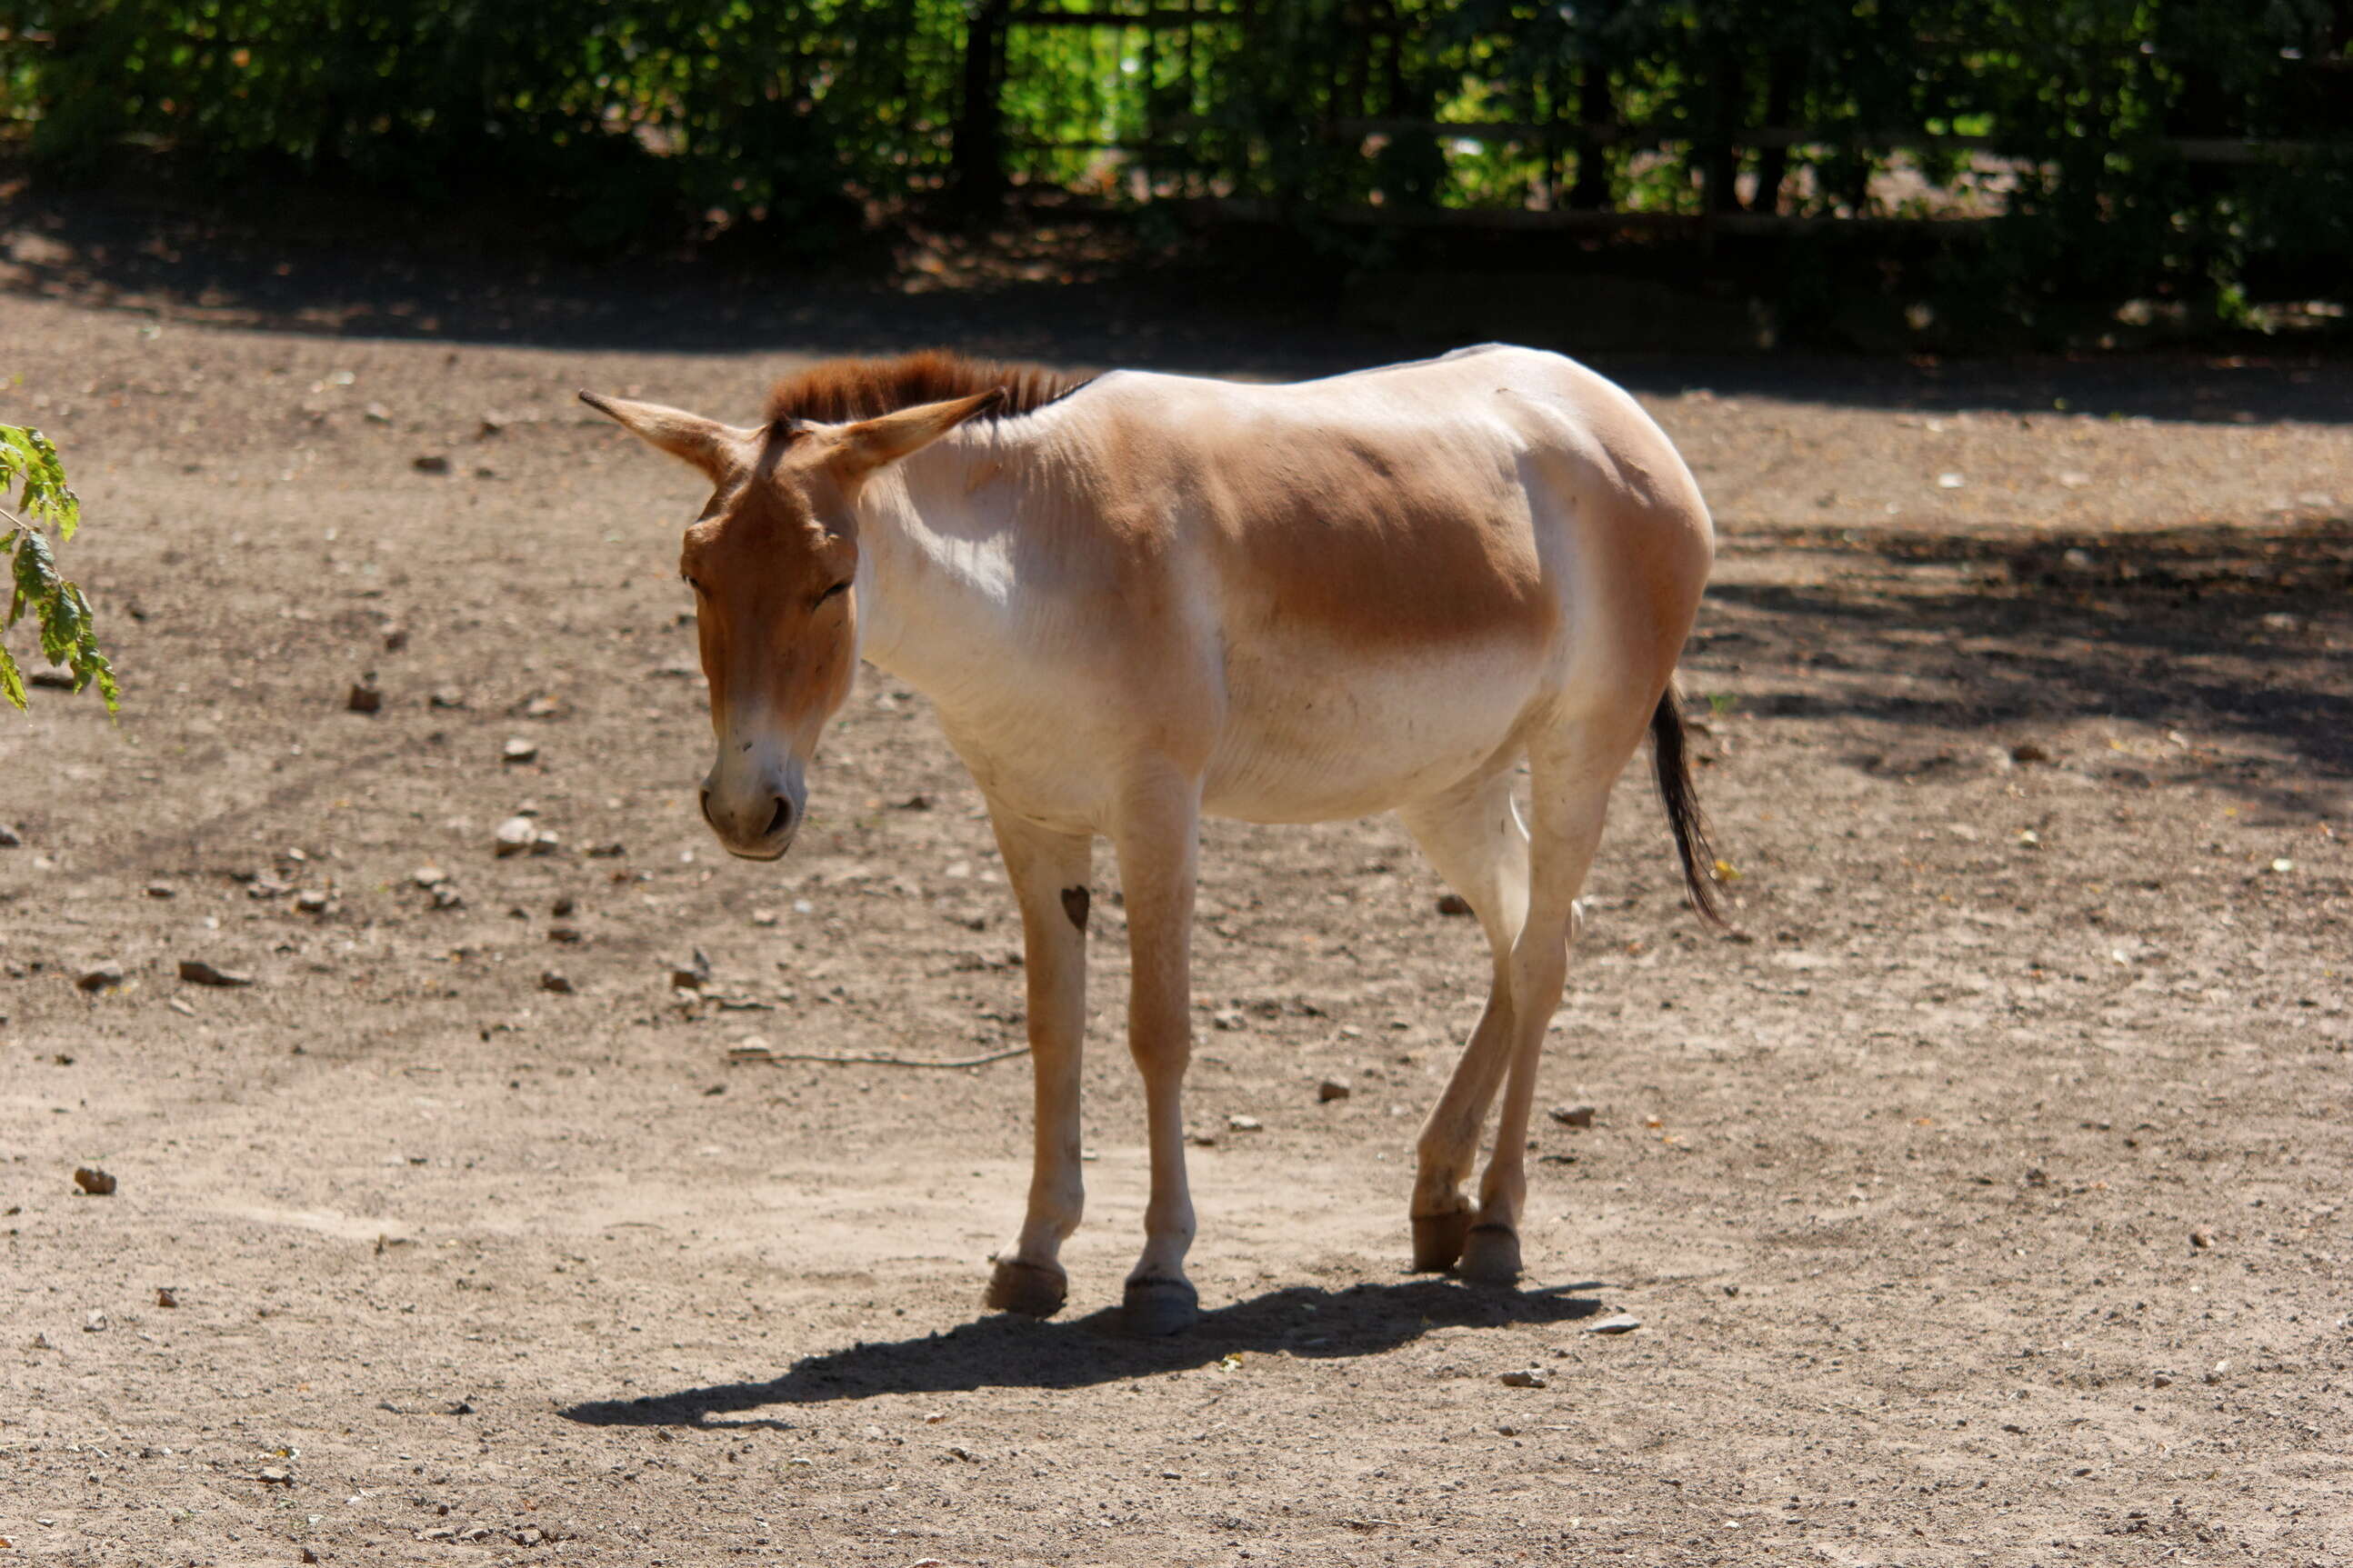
<point x="30" y="466"/>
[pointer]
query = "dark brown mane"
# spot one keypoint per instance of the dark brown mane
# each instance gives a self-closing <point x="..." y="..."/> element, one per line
<point x="845" y="389"/>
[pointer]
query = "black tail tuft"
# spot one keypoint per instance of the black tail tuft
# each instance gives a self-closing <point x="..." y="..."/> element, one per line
<point x="1683" y="808"/>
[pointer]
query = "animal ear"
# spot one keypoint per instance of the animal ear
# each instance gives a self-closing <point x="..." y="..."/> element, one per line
<point x="870" y="443"/>
<point x="717" y="449"/>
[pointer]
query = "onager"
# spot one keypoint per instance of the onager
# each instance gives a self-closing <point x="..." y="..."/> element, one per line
<point x="1143" y="598"/>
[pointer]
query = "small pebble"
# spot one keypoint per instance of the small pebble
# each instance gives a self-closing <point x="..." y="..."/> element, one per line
<point x="98" y="1184"/>
<point x="1528" y="1377"/>
<point x="1332" y="1089"/>
<point x="551" y="981"/>
<point x="100" y="977"/>
<point x="1615" y="1323"/>
<point x="430" y="463"/>
<point x="196" y="972"/>
<point x="161" y="890"/>
<point x="366" y="697"/>
<point x="1573" y="1115"/>
<point x="1240" y="1123"/>
<point x="514" y="836"/>
<point x="519" y="750"/>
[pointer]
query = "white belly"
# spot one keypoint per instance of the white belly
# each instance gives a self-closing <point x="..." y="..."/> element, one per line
<point x="1307" y="742"/>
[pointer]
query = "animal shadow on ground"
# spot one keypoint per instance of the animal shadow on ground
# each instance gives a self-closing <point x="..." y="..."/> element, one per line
<point x="1009" y="1351"/>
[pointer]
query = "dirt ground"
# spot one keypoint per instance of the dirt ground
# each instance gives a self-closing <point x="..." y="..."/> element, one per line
<point x="1982" y="1200"/>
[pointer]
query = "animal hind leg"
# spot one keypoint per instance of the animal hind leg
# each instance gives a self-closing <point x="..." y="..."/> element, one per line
<point x="1475" y="837"/>
<point x="1573" y="768"/>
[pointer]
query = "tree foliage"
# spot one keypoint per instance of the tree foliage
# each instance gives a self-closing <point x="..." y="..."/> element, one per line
<point x="644" y="119"/>
<point x="30" y="466"/>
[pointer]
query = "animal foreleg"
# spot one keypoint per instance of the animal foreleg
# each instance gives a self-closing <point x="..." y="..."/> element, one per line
<point x="1050" y="873"/>
<point x="1155" y="844"/>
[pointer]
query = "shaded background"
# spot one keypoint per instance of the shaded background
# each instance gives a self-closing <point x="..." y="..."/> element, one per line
<point x="1907" y="175"/>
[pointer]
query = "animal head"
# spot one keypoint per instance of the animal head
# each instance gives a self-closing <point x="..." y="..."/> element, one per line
<point x="772" y="560"/>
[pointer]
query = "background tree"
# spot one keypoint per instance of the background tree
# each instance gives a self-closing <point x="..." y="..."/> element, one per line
<point x="30" y="466"/>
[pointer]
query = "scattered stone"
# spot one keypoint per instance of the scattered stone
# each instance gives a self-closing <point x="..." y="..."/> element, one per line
<point x="311" y="902"/>
<point x="446" y="698"/>
<point x="9" y="836"/>
<point x="166" y="1296"/>
<point x="551" y="981"/>
<point x="514" y="836"/>
<point x="529" y="1535"/>
<point x="2161" y="1380"/>
<point x="53" y="679"/>
<point x="2214" y="1374"/>
<point x="569" y="935"/>
<point x="429" y="876"/>
<point x="542" y="707"/>
<point x="308" y="1555"/>
<point x="98" y="1184"/>
<point x="518" y="750"/>
<point x="97" y="1323"/>
<point x="430" y="463"/>
<point x="42" y="1343"/>
<point x="161" y="890"/>
<point x="1572" y="1115"/>
<point x="1454" y="904"/>
<point x="2201" y="1239"/>
<point x="2029" y="753"/>
<point x="606" y="851"/>
<point x="196" y="972"/>
<point x="1332" y="1089"/>
<point x="394" y="638"/>
<point x="693" y="974"/>
<point x="564" y="907"/>
<point x="377" y="414"/>
<point x="445" y="897"/>
<point x="107" y="976"/>
<point x="366" y="697"/>
<point x="1529" y="1377"/>
<point x="1615" y="1323"/>
<point x="1240" y="1123"/>
<point x="1228" y="1019"/>
<point x="181" y="1005"/>
<point x="763" y="916"/>
<point x="916" y="803"/>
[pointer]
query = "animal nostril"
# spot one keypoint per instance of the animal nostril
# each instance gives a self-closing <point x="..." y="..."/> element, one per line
<point x="706" y="803"/>
<point x="783" y="817"/>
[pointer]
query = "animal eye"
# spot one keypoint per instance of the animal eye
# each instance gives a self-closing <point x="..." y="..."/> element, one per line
<point x="840" y="587"/>
<point x="692" y="583"/>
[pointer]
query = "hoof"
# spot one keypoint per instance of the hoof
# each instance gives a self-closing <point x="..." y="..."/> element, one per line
<point x="1491" y="1256"/>
<point x="1033" y="1289"/>
<point x="1157" y="1308"/>
<point x="1438" y="1240"/>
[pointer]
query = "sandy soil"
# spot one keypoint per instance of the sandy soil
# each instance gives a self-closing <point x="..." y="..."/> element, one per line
<point x="1982" y="1201"/>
